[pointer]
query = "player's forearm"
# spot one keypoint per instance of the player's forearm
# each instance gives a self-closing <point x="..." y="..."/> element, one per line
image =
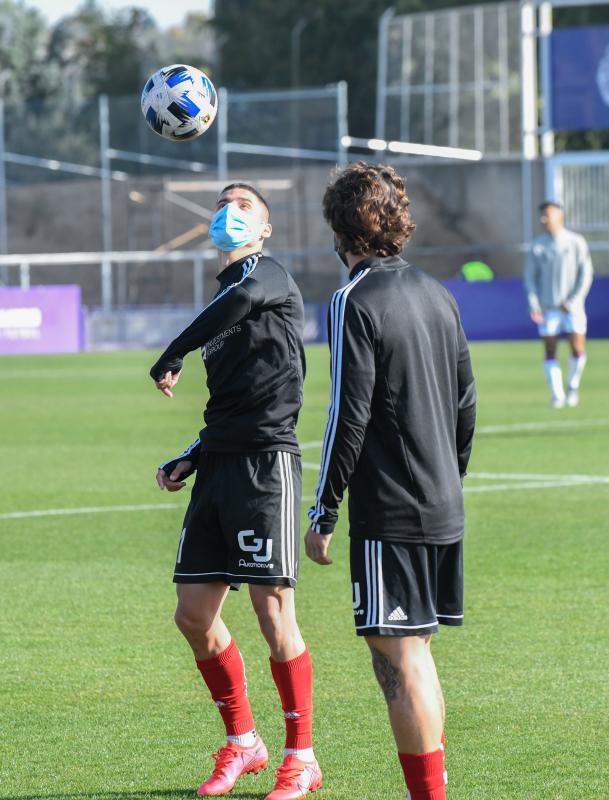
<point x="219" y="315"/>
<point x="191" y="453"/>
<point x="531" y="285"/>
<point x="466" y="422"/>
<point x="336" y="470"/>
<point x="582" y="285"/>
<point x="533" y="300"/>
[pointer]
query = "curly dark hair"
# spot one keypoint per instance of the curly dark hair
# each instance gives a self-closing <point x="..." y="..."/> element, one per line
<point x="367" y="208"/>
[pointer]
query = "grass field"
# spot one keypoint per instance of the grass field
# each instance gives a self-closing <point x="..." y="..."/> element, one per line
<point x="100" y="698"/>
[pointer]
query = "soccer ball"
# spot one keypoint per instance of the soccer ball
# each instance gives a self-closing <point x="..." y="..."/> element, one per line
<point x="179" y="102"/>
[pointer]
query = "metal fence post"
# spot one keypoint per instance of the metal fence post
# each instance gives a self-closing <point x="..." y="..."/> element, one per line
<point x="381" y="72"/>
<point x="106" y="189"/>
<point x="406" y="76"/>
<point x="528" y="80"/>
<point x="545" y="72"/>
<point x="198" y="278"/>
<point x="222" y="124"/>
<point x="3" y="219"/>
<point x="342" y="121"/>
<point x="24" y="275"/>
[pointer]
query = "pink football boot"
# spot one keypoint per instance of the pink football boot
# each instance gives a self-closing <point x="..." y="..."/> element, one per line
<point x="295" y="779"/>
<point x="233" y="761"/>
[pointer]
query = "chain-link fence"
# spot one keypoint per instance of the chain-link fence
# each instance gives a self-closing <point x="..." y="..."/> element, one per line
<point x="92" y="177"/>
<point x="452" y="78"/>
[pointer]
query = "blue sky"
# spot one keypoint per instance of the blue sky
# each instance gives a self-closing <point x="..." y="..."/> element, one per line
<point x="166" y="12"/>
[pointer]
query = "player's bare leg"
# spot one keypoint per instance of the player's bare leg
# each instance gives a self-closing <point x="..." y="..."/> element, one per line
<point x="221" y="666"/>
<point x="276" y="612"/>
<point x="291" y="669"/>
<point x="553" y="371"/>
<point x="577" y="362"/>
<point x="198" y="617"/>
<point x="406" y="672"/>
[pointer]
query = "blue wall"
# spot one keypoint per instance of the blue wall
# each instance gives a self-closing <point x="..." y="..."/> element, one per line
<point x="492" y="310"/>
<point x="498" y="309"/>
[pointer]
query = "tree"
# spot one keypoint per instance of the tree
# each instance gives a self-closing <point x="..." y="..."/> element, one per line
<point x="339" y="42"/>
<point x="105" y="53"/>
<point x="26" y="72"/>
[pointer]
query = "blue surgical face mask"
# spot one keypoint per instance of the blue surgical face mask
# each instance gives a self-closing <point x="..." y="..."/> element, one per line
<point x="231" y="228"/>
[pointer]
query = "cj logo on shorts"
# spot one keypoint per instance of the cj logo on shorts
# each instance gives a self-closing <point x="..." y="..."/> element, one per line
<point x="357" y="600"/>
<point x="256" y="548"/>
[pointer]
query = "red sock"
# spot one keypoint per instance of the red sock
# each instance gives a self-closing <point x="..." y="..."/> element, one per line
<point x="424" y="775"/>
<point x="224" y="675"/>
<point x="294" y="681"/>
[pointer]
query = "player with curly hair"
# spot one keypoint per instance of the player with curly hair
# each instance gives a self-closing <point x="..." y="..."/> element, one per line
<point x="399" y="435"/>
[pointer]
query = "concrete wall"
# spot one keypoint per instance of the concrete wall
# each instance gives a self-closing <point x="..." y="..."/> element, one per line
<point x="455" y="205"/>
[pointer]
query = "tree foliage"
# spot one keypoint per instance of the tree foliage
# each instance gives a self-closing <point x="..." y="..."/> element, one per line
<point x="94" y="50"/>
<point x="25" y="70"/>
<point x="339" y="42"/>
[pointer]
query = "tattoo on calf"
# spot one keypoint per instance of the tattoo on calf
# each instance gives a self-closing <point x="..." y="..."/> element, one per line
<point x="386" y="674"/>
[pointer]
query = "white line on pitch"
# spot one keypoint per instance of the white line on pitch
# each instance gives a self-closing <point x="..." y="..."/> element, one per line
<point x="508" y="487"/>
<point x="62" y="512"/>
<point x="517" y="427"/>
<point x="522" y="480"/>
<point x="535" y="476"/>
<point x="542" y="426"/>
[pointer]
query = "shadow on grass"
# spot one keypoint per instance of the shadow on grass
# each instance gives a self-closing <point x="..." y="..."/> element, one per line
<point x="142" y="795"/>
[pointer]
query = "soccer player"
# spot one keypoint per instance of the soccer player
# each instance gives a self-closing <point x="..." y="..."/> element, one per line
<point x="242" y="523"/>
<point x="557" y="277"/>
<point x="399" y="435"/>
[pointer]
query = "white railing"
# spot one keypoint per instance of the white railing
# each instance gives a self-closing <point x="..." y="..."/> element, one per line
<point x="105" y="261"/>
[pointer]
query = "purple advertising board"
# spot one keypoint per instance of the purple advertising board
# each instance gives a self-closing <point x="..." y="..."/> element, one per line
<point x="497" y="310"/>
<point x="43" y="319"/>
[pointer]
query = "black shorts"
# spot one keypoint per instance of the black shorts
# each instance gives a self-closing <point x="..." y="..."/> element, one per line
<point x="243" y="521"/>
<point x="402" y="589"/>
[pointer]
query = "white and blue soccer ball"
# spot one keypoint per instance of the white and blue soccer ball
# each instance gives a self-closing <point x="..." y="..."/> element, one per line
<point x="179" y="102"/>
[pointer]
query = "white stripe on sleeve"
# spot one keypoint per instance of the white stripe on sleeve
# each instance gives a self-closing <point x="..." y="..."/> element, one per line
<point x="337" y="318"/>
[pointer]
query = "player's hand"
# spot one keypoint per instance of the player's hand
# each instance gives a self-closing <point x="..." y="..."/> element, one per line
<point x="317" y="545"/>
<point x="537" y="317"/>
<point x="564" y="307"/>
<point x="167" y="382"/>
<point x="173" y="482"/>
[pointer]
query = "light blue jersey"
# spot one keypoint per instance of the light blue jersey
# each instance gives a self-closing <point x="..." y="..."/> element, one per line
<point x="558" y="271"/>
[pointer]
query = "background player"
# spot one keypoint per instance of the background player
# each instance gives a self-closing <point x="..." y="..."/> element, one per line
<point x="242" y="523"/>
<point x="399" y="434"/>
<point x="557" y="277"/>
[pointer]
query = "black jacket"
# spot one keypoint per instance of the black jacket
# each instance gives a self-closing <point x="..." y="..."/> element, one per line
<point x="251" y="335"/>
<point x="402" y="410"/>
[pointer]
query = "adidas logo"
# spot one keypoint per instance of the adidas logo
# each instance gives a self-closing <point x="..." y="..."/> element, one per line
<point x="397" y="615"/>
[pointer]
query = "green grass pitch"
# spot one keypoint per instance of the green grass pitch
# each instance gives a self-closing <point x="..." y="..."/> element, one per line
<point x="100" y="698"/>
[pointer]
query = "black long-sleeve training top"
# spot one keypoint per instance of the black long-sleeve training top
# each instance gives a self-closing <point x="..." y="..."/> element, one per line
<point x="251" y="336"/>
<point x="402" y="411"/>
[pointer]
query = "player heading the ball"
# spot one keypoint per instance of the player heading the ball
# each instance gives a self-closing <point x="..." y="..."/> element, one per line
<point x="243" y="521"/>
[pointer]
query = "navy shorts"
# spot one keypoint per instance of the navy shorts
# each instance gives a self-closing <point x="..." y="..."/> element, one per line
<point x="403" y="589"/>
<point x="243" y="521"/>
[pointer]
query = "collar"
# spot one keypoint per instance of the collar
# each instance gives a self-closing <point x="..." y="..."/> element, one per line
<point x="556" y="237"/>
<point x="378" y="262"/>
<point x="234" y="271"/>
